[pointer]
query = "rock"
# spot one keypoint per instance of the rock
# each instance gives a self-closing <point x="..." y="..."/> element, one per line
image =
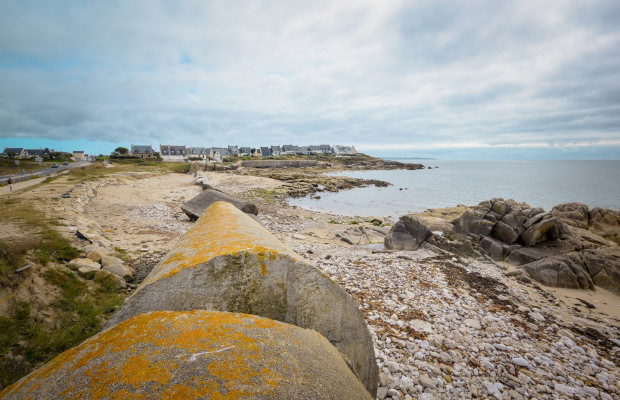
<point x="492" y="389"/>
<point x="120" y="271"/>
<point x="421" y="326"/>
<point x="196" y="206"/>
<point x="505" y="233"/>
<point x="606" y="223"/>
<point x="521" y="362"/>
<point x="382" y="393"/>
<point x="493" y="248"/>
<point x="539" y="231"/>
<point x="96" y="255"/>
<point x="229" y="262"/>
<point x="473" y="323"/>
<point x="603" y="266"/>
<point x="361" y="235"/>
<point x="407" y="234"/>
<point x="88" y="272"/>
<point x="170" y="351"/>
<point x="427" y="382"/>
<point x="560" y="271"/>
<point x="525" y="255"/>
<point x="110" y="260"/>
<point x="117" y="282"/>
<point x="83" y="262"/>
<point x="383" y="379"/>
<point x="574" y="214"/>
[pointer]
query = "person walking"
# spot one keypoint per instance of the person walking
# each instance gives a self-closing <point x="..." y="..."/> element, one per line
<point x="10" y="182"/>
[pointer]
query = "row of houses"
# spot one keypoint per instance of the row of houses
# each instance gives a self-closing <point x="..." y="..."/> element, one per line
<point x="182" y="153"/>
<point x="20" y="153"/>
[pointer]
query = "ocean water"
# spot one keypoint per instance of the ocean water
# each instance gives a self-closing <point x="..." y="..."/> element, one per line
<point x="538" y="183"/>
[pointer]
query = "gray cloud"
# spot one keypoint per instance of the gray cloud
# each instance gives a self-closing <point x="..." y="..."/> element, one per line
<point x="451" y="74"/>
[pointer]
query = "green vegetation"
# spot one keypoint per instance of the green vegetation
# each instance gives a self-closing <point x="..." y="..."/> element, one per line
<point x="26" y="339"/>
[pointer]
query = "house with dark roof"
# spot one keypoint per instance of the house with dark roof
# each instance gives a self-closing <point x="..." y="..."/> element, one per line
<point x="15" y="152"/>
<point x="39" y="152"/>
<point x="198" y="152"/>
<point x="219" y="153"/>
<point x="321" y="149"/>
<point x="143" y="151"/>
<point x="245" y="151"/>
<point x="289" y="149"/>
<point x="265" y="151"/>
<point x="173" y="153"/>
<point x="233" y="150"/>
<point x="275" y="150"/>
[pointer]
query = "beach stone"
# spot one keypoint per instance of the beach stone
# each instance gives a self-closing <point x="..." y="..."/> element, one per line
<point x="493" y="248"/>
<point x="117" y="281"/>
<point x="87" y="271"/>
<point x="473" y="323"/>
<point x="407" y="234"/>
<point x="382" y="393"/>
<point x="195" y="207"/>
<point x="83" y="262"/>
<point x="163" y="354"/>
<point x="421" y="326"/>
<point x="427" y="382"/>
<point x="229" y="262"/>
<point x="96" y="255"/>
<point x="119" y="270"/>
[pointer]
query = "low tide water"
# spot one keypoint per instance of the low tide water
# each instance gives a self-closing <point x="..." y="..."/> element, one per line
<point x="450" y="183"/>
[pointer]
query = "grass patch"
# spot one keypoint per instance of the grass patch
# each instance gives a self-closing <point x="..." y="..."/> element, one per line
<point x="80" y="312"/>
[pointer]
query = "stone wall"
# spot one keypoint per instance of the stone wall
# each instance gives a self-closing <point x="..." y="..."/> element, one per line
<point x="167" y="331"/>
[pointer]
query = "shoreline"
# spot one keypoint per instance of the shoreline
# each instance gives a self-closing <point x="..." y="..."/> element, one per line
<point x="442" y="325"/>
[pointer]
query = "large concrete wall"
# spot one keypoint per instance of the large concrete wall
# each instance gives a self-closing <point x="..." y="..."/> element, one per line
<point x="229" y="262"/>
<point x="195" y="355"/>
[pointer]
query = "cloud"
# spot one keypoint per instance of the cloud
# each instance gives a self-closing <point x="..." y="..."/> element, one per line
<point x="377" y="74"/>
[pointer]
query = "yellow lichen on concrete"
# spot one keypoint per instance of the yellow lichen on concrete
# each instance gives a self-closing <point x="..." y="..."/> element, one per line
<point x="223" y="229"/>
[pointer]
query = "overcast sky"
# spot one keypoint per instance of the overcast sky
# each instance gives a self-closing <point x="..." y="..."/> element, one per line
<point x="488" y="79"/>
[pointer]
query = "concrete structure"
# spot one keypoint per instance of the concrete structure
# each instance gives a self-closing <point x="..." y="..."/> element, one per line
<point x="195" y="355"/>
<point x="78" y="155"/>
<point x="229" y="262"/>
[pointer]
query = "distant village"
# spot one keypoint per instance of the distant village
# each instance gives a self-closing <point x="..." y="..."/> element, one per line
<point x="187" y="153"/>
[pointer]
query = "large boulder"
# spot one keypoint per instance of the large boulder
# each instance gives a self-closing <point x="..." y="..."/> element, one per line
<point x="195" y="355"/>
<point x="197" y="206"/>
<point x="566" y="271"/>
<point x="407" y="234"/>
<point x="574" y="214"/>
<point x="540" y="230"/>
<point x="228" y="262"/>
<point x="603" y="265"/>
<point x="605" y="223"/>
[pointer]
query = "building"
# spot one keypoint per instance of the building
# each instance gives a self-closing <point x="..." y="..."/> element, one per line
<point x="39" y="152"/>
<point x="265" y="151"/>
<point x="321" y="149"/>
<point x="257" y="152"/>
<point x="78" y="155"/>
<point x="198" y="152"/>
<point x="275" y="151"/>
<point x="340" y="150"/>
<point x="233" y="150"/>
<point x="245" y="151"/>
<point x="15" y="152"/>
<point x="289" y="149"/>
<point x="172" y="153"/>
<point x="143" y="151"/>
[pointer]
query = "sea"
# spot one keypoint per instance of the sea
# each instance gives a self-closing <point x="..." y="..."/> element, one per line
<point x="448" y="183"/>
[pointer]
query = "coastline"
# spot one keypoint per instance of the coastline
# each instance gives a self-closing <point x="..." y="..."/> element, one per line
<point x="442" y="325"/>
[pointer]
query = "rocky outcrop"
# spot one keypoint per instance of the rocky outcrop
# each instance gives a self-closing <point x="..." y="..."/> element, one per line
<point x="228" y="262"/>
<point x="407" y="234"/>
<point x="570" y="247"/>
<point x="196" y="355"/>
<point x="197" y="206"/>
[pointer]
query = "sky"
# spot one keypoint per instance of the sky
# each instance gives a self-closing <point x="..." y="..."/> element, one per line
<point x="446" y="79"/>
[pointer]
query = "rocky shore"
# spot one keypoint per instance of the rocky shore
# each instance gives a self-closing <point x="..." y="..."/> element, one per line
<point x="444" y="326"/>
